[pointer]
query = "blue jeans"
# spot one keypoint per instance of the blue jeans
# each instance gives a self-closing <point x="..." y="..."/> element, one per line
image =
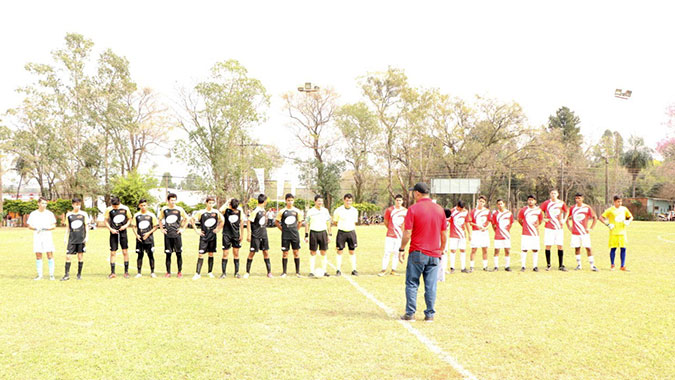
<point x="420" y="264"/>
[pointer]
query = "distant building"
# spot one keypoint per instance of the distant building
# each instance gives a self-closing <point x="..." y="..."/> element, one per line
<point x="640" y="205"/>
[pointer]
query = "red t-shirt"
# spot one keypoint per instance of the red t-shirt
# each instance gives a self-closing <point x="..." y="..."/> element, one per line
<point x="580" y="217"/>
<point x="480" y="217"/>
<point x="457" y="220"/>
<point x="555" y="212"/>
<point x="529" y="216"/>
<point x="395" y="218"/>
<point x="426" y="220"/>
<point x="502" y="222"/>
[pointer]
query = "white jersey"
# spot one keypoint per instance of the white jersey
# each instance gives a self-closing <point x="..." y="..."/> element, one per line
<point x="41" y="221"/>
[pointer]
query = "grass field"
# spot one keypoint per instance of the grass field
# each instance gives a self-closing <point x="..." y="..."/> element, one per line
<point x="546" y="325"/>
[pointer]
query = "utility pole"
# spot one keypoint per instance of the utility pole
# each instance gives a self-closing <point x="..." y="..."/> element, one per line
<point x="606" y="181"/>
<point x="508" y="196"/>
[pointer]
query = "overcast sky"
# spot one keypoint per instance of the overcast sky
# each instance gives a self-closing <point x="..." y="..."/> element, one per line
<point x="542" y="54"/>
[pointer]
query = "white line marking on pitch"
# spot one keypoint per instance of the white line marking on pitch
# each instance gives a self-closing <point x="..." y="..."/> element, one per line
<point x="666" y="240"/>
<point x="433" y="347"/>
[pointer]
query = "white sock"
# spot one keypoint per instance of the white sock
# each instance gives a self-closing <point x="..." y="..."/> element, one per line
<point x="508" y="261"/>
<point x="339" y="262"/>
<point x="523" y="258"/>
<point x="485" y="263"/>
<point x="578" y="257"/>
<point x="385" y="260"/>
<point x="312" y="263"/>
<point x="324" y="264"/>
<point x="535" y="258"/>
<point x="38" y="264"/>
<point x="462" y="259"/>
<point x="394" y="261"/>
<point x="444" y="262"/>
<point x="452" y="260"/>
<point x="352" y="259"/>
<point x="496" y="260"/>
<point x="50" y="262"/>
<point x="591" y="259"/>
<point x="471" y="262"/>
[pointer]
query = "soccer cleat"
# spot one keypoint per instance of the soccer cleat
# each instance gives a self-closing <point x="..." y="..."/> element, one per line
<point x="311" y="275"/>
<point x="452" y="270"/>
<point x="51" y="278"/>
<point x="612" y="268"/>
<point x="179" y="275"/>
<point x="246" y="275"/>
<point x="298" y="275"/>
<point x="237" y="275"/>
<point x="79" y="277"/>
<point x="522" y="269"/>
<point x="548" y="268"/>
<point x="355" y="273"/>
<point x="37" y="278"/>
<point x="338" y="273"/>
<point x="471" y="270"/>
<point x="139" y="275"/>
<point x="394" y="273"/>
<point x="126" y="275"/>
<point x="508" y="269"/>
<point x="197" y="276"/>
<point x="485" y="269"/>
<point x="382" y="273"/>
<point x="325" y="274"/>
<point x="222" y="276"/>
<point x="167" y="275"/>
<point x="465" y="270"/>
<point x="562" y="269"/>
<point x="65" y="278"/>
<point x="283" y="275"/>
<point x="269" y="275"/>
<point x="408" y="317"/>
<point x="624" y="269"/>
<point x="112" y="275"/>
<point x="211" y="275"/>
<point x="535" y="269"/>
<point x="495" y="269"/>
<point x="594" y="268"/>
<point x="578" y="267"/>
<point x="428" y="318"/>
<point x="153" y="275"/>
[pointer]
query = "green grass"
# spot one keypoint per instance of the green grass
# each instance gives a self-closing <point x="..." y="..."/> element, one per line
<point x="497" y="325"/>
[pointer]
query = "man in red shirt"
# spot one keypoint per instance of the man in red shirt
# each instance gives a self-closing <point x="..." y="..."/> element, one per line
<point x="530" y="217"/>
<point x="425" y="227"/>
<point x="479" y="218"/>
<point x="502" y="220"/>
<point x="555" y="211"/>
<point x="577" y="222"/>
<point x="459" y="230"/>
<point x="393" y="220"/>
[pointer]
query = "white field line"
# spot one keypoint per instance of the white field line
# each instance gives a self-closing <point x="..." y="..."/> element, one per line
<point x="666" y="240"/>
<point x="433" y="347"/>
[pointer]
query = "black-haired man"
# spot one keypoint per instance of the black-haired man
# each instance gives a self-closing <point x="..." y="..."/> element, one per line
<point x="117" y="219"/>
<point x="289" y="220"/>
<point x="257" y="236"/>
<point x="172" y="222"/>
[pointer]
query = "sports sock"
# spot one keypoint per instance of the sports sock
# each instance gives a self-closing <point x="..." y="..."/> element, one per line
<point x="38" y="264"/>
<point x="210" y="261"/>
<point x="612" y="255"/>
<point x="139" y="262"/>
<point x="578" y="257"/>
<point x="591" y="260"/>
<point x="471" y="263"/>
<point x="339" y="262"/>
<point x="168" y="263"/>
<point x="496" y="260"/>
<point x="623" y="257"/>
<point x="248" y="265"/>
<point x="523" y="258"/>
<point x="312" y="263"/>
<point x="67" y="267"/>
<point x="179" y="261"/>
<point x="485" y="263"/>
<point x="560" y="257"/>
<point x="296" y="260"/>
<point x="151" y="259"/>
<point x="452" y="260"/>
<point x="394" y="261"/>
<point x="80" y="264"/>
<point x="126" y="267"/>
<point x="508" y="261"/>
<point x="548" y="258"/>
<point x="200" y="262"/>
<point x="444" y="261"/>
<point x="112" y="268"/>
<point x="352" y="259"/>
<point x="236" y="266"/>
<point x="385" y="259"/>
<point x="462" y="259"/>
<point x="284" y="264"/>
<point x="535" y="258"/>
<point x="324" y="264"/>
<point x="223" y="265"/>
<point x="268" y="265"/>
<point x="50" y="263"/>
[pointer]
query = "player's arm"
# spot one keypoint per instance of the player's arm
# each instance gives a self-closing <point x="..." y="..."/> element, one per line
<point x="248" y="229"/>
<point x="86" y="228"/>
<point x="241" y="224"/>
<point x="387" y="216"/>
<point x="301" y="219"/>
<point x="629" y="217"/>
<point x="330" y="226"/>
<point x="277" y="220"/>
<point x="568" y="220"/>
<point x="161" y="221"/>
<point x="106" y="220"/>
<point x="564" y="213"/>
<point x="468" y="230"/>
<point x="404" y="243"/>
<point x="595" y="219"/>
<point x="521" y="216"/>
<point x="133" y="227"/>
<point x="66" y="236"/>
<point x="221" y="223"/>
<point x="183" y="221"/>
<point x="444" y="239"/>
<point x="307" y="228"/>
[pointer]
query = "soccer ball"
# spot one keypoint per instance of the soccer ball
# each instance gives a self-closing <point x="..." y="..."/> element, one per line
<point x="318" y="272"/>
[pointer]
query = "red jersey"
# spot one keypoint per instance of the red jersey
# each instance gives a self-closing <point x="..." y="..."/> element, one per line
<point x="457" y="221"/>
<point x="555" y="212"/>
<point x="580" y="217"/>
<point x="530" y="216"/>
<point x="426" y="220"/>
<point x="502" y="222"/>
<point x="395" y="218"/>
<point x="480" y="217"/>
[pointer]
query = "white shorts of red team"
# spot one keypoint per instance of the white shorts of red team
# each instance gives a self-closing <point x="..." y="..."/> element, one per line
<point x="392" y="244"/>
<point x="553" y="237"/>
<point x="529" y="243"/>
<point x="579" y="241"/>
<point x="480" y="239"/>
<point x="502" y="243"/>
<point x="43" y="242"/>
<point x="455" y="244"/>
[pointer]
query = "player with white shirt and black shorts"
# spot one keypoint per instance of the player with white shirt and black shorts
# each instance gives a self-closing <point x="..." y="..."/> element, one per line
<point x="345" y="217"/>
<point x="318" y="232"/>
<point x="233" y="232"/>
<point x="210" y="223"/>
<point x="42" y="222"/>
<point x="172" y="222"/>
<point x="289" y="220"/>
<point x="145" y="224"/>
<point x="257" y="236"/>
<point x="76" y="236"/>
<point x="117" y="219"/>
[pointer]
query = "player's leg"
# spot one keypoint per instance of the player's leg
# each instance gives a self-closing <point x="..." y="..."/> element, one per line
<point x="312" y="262"/>
<point x="523" y="252"/>
<point x="507" y="258"/>
<point x="612" y="256"/>
<point x="485" y="259"/>
<point x="150" y="252"/>
<point x="385" y="257"/>
<point x="223" y="261"/>
<point x="114" y="245"/>
<point x="38" y="265"/>
<point x="113" y="255"/>
<point x="296" y="260"/>
<point x="352" y="243"/>
<point x="211" y="253"/>
<point x="561" y="265"/>
<point x="66" y="275"/>
<point x="266" y="256"/>
<point x="623" y="258"/>
<point x="413" y="272"/>
<point x="462" y="259"/>
<point x="255" y="243"/>
<point x="495" y="258"/>
<point x="535" y="260"/>
<point x="80" y="262"/>
<point x="473" y="255"/>
<point x="285" y="245"/>
<point x="51" y="264"/>
<point x="179" y="256"/>
<point x="124" y="243"/>
<point x="139" y="257"/>
<point x="235" y="258"/>
<point x="168" y="249"/>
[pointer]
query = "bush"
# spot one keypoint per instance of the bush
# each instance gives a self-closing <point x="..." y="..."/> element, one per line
<point x="132" y="188"/>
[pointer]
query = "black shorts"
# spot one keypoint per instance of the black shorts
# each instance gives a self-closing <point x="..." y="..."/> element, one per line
<point x="346" y="237"/>
<point x="147" y="248"/>
<point x="207" y="246"/>
<point x="173" y="244"/>
<point x="75" y="249"/>
<point x="119" y="238"/>
<point x="318" y="239"/>
<point x="292" y="243"/>
<point x="259" y="244"/>
<point x="231" y="242"/>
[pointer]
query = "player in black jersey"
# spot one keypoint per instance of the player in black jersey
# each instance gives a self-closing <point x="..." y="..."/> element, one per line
<point x="289" y="220"/>
<point x="145" y="224"/>
<point x="172" y="222"/>
<point x="76" y="235"/>
<point x="257" y="235"/>
<point x="210" y="223"/>
<point x="117" y="219"/>
<point x="233" y="232"/>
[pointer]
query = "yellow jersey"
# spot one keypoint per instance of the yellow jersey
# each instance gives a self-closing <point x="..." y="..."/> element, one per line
<point x="617" y="217"/>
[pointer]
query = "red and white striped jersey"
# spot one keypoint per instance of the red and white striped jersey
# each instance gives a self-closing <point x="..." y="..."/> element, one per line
<point x="530" y="216"/>
<point x="395" y="218"/>
<point x="480" y="217"/>
<point x="580" y="217"/>
<point x="555" y="212"/>
<point x="502" y="222"/>
<point x="457" y="220"/>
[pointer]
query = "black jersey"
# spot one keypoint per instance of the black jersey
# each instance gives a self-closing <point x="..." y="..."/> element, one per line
<point x="77" y="227"/>
<point x="118" y="217"/>
<point x="232" y="222"/>
<point x="289" y="219"/>
<point x="208" y="221"/>
<point x="172" y="218"/>
<point x="258" y="223"/>
<point x="144" y="224"/>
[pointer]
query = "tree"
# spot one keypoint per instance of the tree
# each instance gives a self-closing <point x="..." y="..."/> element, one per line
<point x="192" y="182"/>
<point x="167" y="180"/>
<point x="565" y="120"/>
<point x="133" y="187"/>
<point x="636" y="158"/>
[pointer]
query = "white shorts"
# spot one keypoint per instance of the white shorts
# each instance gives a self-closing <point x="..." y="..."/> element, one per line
<point x="553" y="237"/>
<point x="455" y="244"/>
<point x="392" y="244"/>
<point x="579" y="241"/>
<point x="43" y="242"/>
<point x="529" y="243"/>
<point x="503" y="243"/>
<point x="480" y="239"/>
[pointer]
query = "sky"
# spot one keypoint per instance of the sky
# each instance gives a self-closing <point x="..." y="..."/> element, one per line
<point x="541" y="54"/>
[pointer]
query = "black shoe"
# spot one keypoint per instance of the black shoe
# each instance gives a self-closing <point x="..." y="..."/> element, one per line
<point x="522" y="269"/>
<point x="325" y="274"/>
<point x="485" y="269"/>
<point x="408" y="317"/>
<point x="65" y="278"/>
<point x="311" y="275"/>
<point x="578" y="267"/>
<point x="548" y="268"/>
<point x="355" y="273"/>
<point x="428" y="319"/>
<point x="465" y="270"/>
<point x="452" y="270"/>
<point x="594" y="268"/>
<point x="338" y="273"/>
<point x="222" y="276"/>
<point x="562" y="269"/>
<point x="535" y="269"/>
<point x="79" y="277"/>
<point x="237" y="275"/>
<point x="508" y="269"/>
<point x="495" y="269"/>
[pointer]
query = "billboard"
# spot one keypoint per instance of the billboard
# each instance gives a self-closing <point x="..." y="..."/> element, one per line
<point x="455" y="185"/>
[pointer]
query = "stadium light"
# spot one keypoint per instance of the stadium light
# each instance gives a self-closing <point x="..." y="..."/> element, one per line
<point x="308" y="88"/>
<point x="618" y="93"/>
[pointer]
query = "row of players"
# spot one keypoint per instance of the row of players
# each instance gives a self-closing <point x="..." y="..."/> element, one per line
<point x="463" y="225"/>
